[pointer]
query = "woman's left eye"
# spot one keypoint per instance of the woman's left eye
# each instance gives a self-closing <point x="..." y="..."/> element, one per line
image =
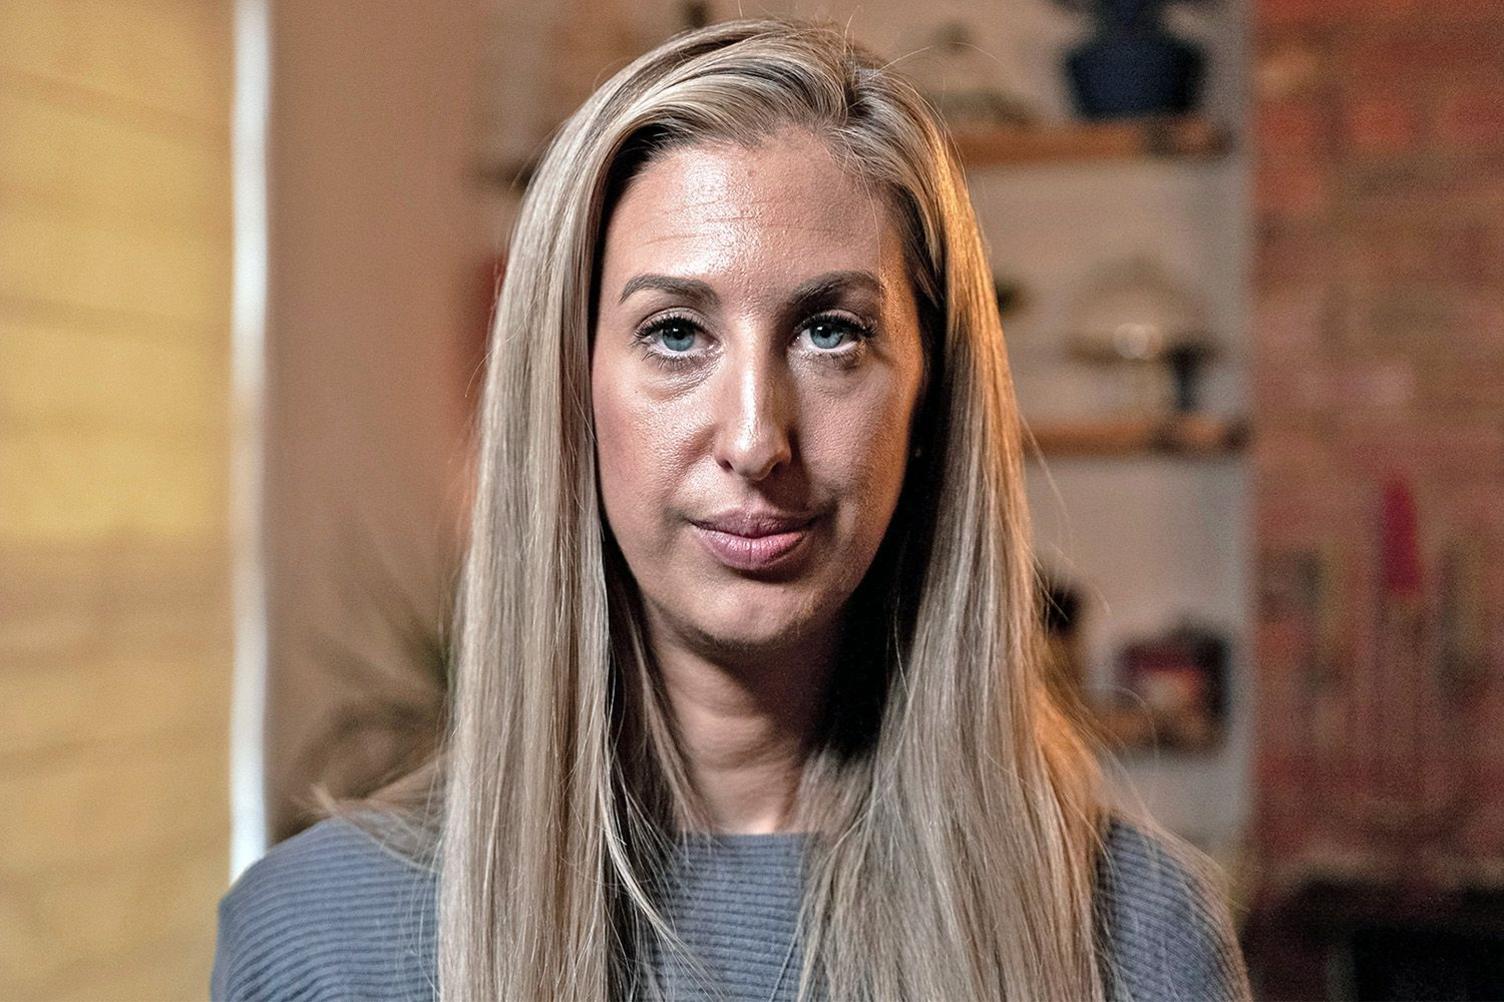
<point x="830" y="333"/>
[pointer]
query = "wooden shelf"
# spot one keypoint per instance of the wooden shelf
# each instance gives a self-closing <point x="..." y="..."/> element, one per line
<point x="1191" y="435"/>
<point x="1152" y="138"/>
<point x="1183" y="137"/>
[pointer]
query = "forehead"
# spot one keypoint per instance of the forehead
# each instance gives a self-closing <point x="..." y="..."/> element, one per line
<point x="782" y="208"/>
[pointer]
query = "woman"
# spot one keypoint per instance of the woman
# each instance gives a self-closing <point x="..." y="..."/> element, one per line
<point x="748" y="700"/>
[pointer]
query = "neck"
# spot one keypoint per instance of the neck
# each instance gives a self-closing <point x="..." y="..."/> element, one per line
<point x="745" y="724"/>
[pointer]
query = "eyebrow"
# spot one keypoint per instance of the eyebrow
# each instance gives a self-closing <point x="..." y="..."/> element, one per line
<point x="820" y="288"/>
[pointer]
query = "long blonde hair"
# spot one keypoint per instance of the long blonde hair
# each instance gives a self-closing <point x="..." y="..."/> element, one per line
<point x="955" y="810"/>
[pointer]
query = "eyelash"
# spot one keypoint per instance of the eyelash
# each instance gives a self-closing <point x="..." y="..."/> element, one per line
<point x="860" y="330"/>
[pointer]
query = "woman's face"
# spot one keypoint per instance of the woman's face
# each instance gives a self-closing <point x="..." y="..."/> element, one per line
<point x="755" y="366"/>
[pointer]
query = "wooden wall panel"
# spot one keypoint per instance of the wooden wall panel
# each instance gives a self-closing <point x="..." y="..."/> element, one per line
<point x="115" y="643"/>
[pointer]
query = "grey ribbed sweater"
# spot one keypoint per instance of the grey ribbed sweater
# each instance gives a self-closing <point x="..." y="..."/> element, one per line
<point x="328" y="914"/>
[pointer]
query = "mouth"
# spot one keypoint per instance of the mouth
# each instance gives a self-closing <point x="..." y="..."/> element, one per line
<point x="749" y="541"/>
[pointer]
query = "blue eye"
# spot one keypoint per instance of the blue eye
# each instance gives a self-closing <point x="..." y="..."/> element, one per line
<point x="672" y="342"/>
<point x="678" y="340"/>
<point x="824" y="334"/>
<point x="829" y="333"/>
<point x="673" y="334"/>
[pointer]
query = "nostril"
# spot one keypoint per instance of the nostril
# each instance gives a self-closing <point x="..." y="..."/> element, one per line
<point x="755" y="460"/>
<point x="755" y="437"/>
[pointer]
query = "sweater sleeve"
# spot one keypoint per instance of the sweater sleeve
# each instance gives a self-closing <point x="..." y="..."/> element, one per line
<point x="324" y="916"/>
<point x="1170" y="935"/>
<point x="265" y="947"/>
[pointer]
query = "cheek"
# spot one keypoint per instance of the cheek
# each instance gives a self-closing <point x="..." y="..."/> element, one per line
<point x="614" y="441"/>
<point x="861" y="454"/>
<point x="635" y="448"/>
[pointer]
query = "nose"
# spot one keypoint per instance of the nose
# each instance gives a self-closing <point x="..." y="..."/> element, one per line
<point x="755" y="416"/>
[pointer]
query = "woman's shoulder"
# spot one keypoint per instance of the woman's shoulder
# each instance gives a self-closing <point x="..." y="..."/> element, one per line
<point x="326" y="914"/>
<point x="1169" y="931"/>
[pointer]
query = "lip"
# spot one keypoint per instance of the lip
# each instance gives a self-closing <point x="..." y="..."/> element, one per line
<point x="753" y="540"/>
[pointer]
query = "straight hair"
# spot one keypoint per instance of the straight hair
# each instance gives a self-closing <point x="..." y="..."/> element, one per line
<point x="954" y="809"/>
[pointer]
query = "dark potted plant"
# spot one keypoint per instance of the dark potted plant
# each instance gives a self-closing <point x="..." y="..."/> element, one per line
<point x="1132" y="66"/>
<point x="384" y="661"/>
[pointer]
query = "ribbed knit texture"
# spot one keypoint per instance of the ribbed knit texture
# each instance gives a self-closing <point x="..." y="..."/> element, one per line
<point x="329" y="914"/>
<point x="735" y="904"/>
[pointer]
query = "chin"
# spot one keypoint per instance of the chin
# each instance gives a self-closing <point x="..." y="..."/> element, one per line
<point x="750" y="616"/>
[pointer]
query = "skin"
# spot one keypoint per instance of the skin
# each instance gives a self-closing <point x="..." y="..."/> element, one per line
<point x="745" y="395"/>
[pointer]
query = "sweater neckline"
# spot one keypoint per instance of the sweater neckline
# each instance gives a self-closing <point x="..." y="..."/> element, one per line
<point x="742" y="844"/>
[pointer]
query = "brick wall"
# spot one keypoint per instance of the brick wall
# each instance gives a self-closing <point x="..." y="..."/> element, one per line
<point x="1379" y="332"/>
<point x="114" y="606"/>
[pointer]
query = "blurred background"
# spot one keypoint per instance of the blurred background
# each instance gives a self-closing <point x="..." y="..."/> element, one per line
<point x="1250" y="258"/>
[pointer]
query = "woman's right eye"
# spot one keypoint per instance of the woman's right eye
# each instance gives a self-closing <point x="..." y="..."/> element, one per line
<point x="670" y="338"/>
<point x="675" y="335"/>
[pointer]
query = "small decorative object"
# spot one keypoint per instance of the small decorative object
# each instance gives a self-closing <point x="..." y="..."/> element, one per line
<point x="1132" y="66"/>
<point x="694" y="14"/>
<point x="1010" y="295"/>
<point x="1065" y="669"/>
<point x="1185" y="359"/>
<point x="965" y="84"/>
<point x="1462" y="620"/>
<point x="1180" y="679"/>
<point x="1301" y="603"/>
<point x="1408" y="744"/>
<point x="1136" y="320"/>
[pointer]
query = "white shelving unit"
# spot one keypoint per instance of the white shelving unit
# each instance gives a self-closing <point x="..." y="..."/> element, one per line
<point x="1150" y="520"/>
